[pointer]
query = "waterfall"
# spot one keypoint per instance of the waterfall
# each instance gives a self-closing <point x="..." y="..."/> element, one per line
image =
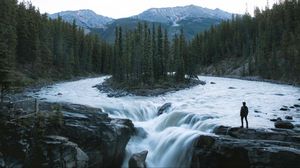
<point x="169" y="138"/>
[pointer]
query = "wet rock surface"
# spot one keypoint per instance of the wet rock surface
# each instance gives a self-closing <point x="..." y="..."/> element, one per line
<point x="239" y="147"/>
<point x="63" y="153"/>
<point x="164" y="108"/>
<point x="64" y="135"/>
<point x="279" y="94"/>
<point x="283" y="109"/>
<point x="284" y="124"/>
<point x="138" y="160"/>
<point x="276" y="119"/>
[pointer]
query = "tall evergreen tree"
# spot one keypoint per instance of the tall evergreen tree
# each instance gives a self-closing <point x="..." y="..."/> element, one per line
<point x="180" y="57"/>
<point x="43" y="48"/>
<point x="8" y="41"/>
<point x="266" y="43"/>
<point x="166" y="53"/>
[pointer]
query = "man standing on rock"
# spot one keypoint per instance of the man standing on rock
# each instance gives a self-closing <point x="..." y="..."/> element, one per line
<point x="244" y="114"/>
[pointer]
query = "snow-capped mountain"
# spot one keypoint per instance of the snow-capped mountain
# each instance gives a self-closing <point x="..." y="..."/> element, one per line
<point x="176" y="14"/>
<point x="192" y="19"/>
<point x="84" y="18"/>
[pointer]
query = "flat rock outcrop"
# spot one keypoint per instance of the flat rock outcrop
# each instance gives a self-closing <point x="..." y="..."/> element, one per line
<point x="64" y="135"/>
<point x="239" y="147"/>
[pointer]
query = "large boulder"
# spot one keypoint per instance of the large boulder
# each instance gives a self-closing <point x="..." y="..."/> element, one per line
<point x="284" y="124"/>
<point x="137" y="160"/>
<point x="218" y="152"/>
<point x="296" y="105"/>
<point x="86" y="136"/>
<point x="63" y="153"/>
<point x="102" y="138"/>
<point x="288" y="117"/>
<point x="258" y="134"/>
<point x="239" y="147"/>
<point x="164" y="108"/>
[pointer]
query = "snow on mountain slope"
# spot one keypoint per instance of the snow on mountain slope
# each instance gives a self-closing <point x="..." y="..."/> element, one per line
<point x="176" y="14"/>
<point x="193" y="19"/>
<point x="84" y="18"/>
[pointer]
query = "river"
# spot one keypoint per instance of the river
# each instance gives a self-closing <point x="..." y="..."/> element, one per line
<point x="194" y="111"/>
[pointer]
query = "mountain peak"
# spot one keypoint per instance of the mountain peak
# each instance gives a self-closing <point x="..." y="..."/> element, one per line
<point x="85" y="18"/>
<point x="176" y="14"/>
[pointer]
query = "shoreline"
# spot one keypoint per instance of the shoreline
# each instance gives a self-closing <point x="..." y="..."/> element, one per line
<point x="253" y="78"/>
<point x="22" y="92"/>
<point x="118" y="90"/>
<point x="247" y="78"/>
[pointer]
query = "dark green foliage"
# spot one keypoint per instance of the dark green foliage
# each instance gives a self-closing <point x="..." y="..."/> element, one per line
<point x="144" y="57"/>
<point x="191" y="27"/>
<point x="56" y="118"/>
<point x="38" y="133"/>
<point x="180" y="57"/>
<point x="269" y="42"/>
<point x="8" y="42"/>
<point x="39" y="48"/>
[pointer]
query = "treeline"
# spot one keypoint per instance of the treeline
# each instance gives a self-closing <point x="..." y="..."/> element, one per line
<point x="36" y="47"/>
<point x="269" y="42"/>
<point x="145" y="55"/>
<point x="268" y="45"/>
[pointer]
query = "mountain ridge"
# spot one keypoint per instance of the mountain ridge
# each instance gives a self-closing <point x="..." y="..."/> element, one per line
<point x="85" y="18"/>
<point x="191" y="18"/>
<point x="178" y="13"/>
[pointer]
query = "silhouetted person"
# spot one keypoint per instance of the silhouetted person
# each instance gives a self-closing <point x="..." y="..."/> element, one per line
<point x="244" y="114"/>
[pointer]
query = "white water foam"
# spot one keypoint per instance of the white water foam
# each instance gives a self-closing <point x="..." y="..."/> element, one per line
<point x="195" y="111"/>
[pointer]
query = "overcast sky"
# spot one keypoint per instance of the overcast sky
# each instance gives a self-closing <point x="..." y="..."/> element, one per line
<point x="125" y="8"/>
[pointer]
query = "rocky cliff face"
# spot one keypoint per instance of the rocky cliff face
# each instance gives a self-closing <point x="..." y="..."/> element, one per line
<point x="64" y="135"/>
<point x="238" y="147"/>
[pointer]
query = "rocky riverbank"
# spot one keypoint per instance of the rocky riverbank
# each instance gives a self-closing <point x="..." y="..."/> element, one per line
<point x="62" y="135"/>
<point x="239" y="147"/>
<point x="238" y="68"/>
<point x="119" y="90"/>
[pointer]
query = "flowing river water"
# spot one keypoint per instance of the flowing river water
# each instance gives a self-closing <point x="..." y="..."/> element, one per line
<point x="169" y="137"/>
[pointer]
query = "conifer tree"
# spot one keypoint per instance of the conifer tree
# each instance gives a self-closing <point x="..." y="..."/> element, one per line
<point x="8" y="41"/>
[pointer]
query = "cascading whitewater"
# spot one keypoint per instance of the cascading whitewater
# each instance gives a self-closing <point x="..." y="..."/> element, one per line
<point x="195" y="111"/>
<point x="168" y="138"/>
